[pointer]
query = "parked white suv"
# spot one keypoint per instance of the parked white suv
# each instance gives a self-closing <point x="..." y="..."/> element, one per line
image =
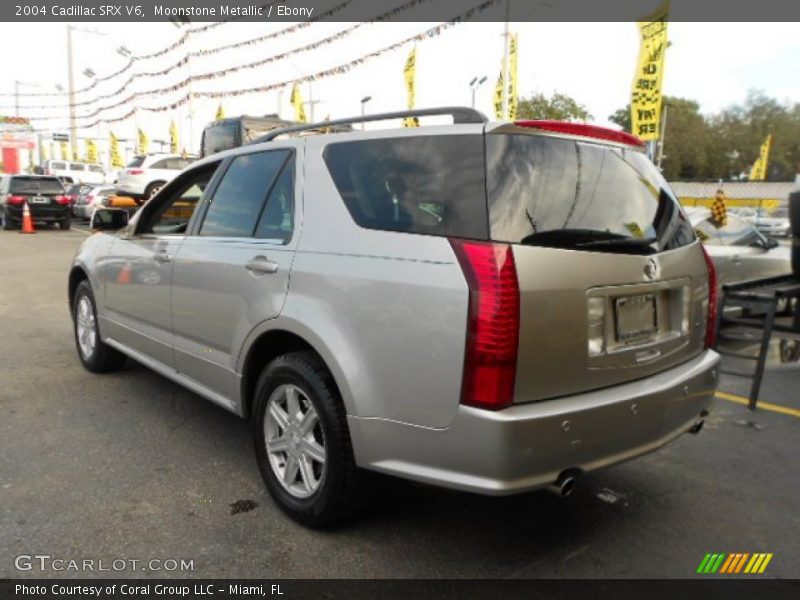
<point x="77" y="172"/>
<point x="145" y="175"/>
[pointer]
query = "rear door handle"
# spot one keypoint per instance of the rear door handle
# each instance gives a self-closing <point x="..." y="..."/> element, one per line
<point x="261" y="265"/>
<point x="162" y="257"/>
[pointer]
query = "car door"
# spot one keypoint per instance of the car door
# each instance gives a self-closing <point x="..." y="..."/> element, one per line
<point x="138" y="269"/>
<point x="233" y="272"/>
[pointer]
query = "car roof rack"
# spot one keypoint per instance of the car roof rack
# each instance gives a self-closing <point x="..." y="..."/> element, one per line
<point x="460" y="114"/>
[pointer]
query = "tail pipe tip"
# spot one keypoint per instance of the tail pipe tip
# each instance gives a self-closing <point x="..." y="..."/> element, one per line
<point x="564" y="485"/>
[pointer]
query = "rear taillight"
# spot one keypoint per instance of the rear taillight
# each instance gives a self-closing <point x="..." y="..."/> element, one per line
<point x="16" y="200"/>
<point x="135" y="171"/>
<point x="62" y="200"/>
<point x="490" y="358"/>
<point x="711" y="323"/>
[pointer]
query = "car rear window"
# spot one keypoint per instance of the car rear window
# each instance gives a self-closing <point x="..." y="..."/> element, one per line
<point x="562" y="193"/>
<point x="431" y="185"/>
<point x="137" y="161"/>
<point x="35" y="185"/>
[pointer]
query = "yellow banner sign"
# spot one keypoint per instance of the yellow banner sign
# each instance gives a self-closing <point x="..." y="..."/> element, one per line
<point x="646" y="93"/>
<point x="409" y="74"/>
<point x="759" y="170"/>
<point x="297" y="102"/>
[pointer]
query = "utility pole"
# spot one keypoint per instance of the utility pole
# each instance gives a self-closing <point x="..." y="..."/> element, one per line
<point x="311" y="103"/>
<point x="505" y="59"/>
<point x="661" y="136"/>
<point x="191" y="104"/>
<point x="71" y="98"/>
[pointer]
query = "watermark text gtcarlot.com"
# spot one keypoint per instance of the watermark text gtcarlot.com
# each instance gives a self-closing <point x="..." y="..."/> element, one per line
<point x="49" y="563"/>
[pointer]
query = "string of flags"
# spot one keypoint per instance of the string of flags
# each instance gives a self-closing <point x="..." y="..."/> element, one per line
<point x="323" y="74"/>
<point x="240" y="44"/>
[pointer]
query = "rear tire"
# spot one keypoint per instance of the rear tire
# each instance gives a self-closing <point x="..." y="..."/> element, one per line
<point x="96" y="355"/>
<point x="65" y="224"/>
<point x="309" y="469"/>
<point x="8" y="224"/>
<point x="151" y="189"/>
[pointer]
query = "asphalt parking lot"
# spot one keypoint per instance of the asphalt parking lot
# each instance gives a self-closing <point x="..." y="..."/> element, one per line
<point x="129" y="465"/>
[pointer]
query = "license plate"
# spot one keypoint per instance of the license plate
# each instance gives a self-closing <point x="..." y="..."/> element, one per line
<point x="636" y="317"/>
<point x="39" y="200"/>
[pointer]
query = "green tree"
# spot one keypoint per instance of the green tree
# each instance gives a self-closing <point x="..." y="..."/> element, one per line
<point x="559" y="107"/>
<point x="622" y="117"/>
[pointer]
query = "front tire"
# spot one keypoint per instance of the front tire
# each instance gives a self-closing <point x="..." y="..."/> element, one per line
<point x="303" y="444"/>
<point x="96" y="355"/>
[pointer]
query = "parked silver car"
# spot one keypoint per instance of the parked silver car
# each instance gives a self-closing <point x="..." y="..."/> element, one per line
<point x="740" y="252"/>
<point x="491" y="307"/>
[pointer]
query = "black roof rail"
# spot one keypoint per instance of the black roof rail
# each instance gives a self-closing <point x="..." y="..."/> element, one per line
<point x="460" y="114"/>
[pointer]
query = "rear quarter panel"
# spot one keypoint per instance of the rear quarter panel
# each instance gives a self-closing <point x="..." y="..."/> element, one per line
<point x="387" y="310"/>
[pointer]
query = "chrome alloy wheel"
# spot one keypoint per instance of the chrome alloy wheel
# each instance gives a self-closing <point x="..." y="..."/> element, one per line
<point x="294" y="440"/>
<point x="86" y="329"/>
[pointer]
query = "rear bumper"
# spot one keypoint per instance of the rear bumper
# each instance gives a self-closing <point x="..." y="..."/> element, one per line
<point x="39" y="213"/>
<point x="527" y="446"/>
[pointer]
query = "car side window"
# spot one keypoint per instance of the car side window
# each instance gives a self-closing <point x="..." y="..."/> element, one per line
<point x="175" y="205"/>
<point x="277" y="218"/>
<point x="160" y="164"/>
<point x="238" y="202"/>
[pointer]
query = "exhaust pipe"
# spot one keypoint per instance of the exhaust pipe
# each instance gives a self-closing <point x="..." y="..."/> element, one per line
<point x="563" y="486"/>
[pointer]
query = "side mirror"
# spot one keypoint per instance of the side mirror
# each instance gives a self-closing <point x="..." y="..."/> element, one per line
<point x="109" y="219"/>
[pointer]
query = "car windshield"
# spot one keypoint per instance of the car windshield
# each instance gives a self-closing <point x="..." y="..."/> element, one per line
<point x="36" y="185"/>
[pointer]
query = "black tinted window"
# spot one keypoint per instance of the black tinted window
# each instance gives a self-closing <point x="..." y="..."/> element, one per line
<point x="236" y="205"/>
<point x="277" y="219"/>
<point x="567" y="194"/>
<point x="428" y="184"/>
<point x="36" y="185"/>
<point x="136" y="162"/>
<point x="219" y="137"/>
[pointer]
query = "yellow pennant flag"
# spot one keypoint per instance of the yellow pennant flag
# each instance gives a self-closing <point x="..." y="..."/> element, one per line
<point x="646" y="92"/>
<point x="173" y="136"/>
<point x="142" y="142"/>
<point x="513" y="100"/>
<point x="297" y="102"/>
<point x="44" y="152"/>
<point x="113" y="150"/>
<point x="91" y="152"/>
<point x="759" y="170"/>
<point x="498" y="96"/>
<point x="65" y="151"/>
<point x="220" y="113"/>
<point x="409" y="74"/>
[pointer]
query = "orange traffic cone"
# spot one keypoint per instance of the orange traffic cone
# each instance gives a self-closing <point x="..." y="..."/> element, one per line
<point x="27" y="222"/>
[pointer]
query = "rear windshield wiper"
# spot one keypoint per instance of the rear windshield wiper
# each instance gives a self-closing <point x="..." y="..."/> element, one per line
<point x="624" y="241"/>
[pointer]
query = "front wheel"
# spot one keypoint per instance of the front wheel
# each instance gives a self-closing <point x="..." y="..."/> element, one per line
<point x="96" y="355"/>
<point x="303" y="443"/>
